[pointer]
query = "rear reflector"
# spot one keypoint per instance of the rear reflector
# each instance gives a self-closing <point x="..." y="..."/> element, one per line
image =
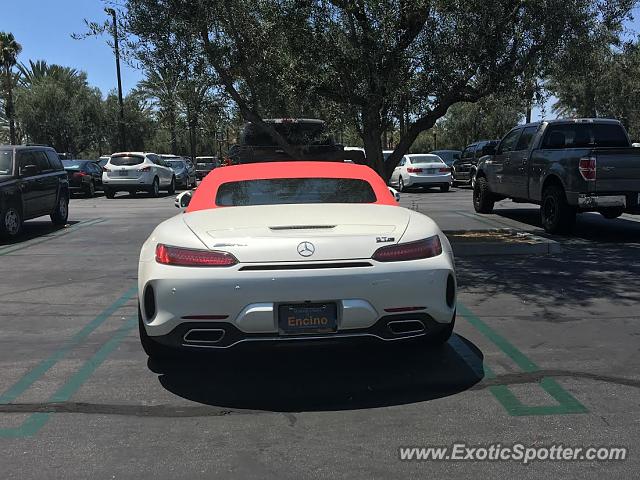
<point x="403" y="309"/>
<point x="587" y="167"/>
<point x="205" y="317"/>
<point x="429" y="247"/>
<point x="185" y="257"/>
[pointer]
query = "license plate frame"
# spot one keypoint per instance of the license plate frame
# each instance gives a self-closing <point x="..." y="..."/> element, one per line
<point x="307" y="318"/>
<point x="123" y="173"/>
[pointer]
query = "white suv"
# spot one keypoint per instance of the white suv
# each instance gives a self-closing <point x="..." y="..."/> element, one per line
<point x="137" y="171"/>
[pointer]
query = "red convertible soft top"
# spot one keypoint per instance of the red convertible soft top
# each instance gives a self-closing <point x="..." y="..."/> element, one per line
<point x="204" y="195"/>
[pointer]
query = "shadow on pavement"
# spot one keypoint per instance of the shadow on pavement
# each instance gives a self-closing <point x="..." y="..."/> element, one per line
<point x="34" y="229"/>
<point x="321" y="378"/>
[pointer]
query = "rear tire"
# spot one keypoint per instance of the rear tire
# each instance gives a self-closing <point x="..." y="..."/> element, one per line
<point x="483" y="199"/>
<point x="109" y="193"/>
<point x="172" y="186"/>
<point x="91" y="190"/>
<point x="611" y="213"/>
<point x="444" y="187"/>
<point x="154" y="191"/>
<point x="61" y="213"/>
<point x="153" y="349"/>
<point x="401" y="187"/>
<point x="11" y="222"/>
<point x="556" y="214"/>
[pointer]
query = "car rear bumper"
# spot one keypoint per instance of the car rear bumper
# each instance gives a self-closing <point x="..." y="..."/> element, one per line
<point x="224" y="335"/>
<point x="143" y="181"/>
<point x="248" y="301"/>
<point x="428" y="179"/>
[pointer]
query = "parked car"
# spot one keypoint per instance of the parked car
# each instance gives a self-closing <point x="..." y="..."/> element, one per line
<point x="184" y="171"/>
<point x="204" y="165"/>
<point x="137" y="171"/>
<point x="318" y="260"/>
<point x="32" y="183"/>
<point x="636" y="145"/>
<point x="448" y="156"/>
<point x="421" y="170"/>
<point x="308" y="136"/>
<point x="103" y="160"/>
<point x="85" y="176"/>
<point x="355" y="155"/>
<point x="464" y="168"/>
<point x="565" y="166"/>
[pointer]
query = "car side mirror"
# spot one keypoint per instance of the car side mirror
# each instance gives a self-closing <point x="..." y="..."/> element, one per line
<point x="488" y="150"/>
<point x="28" y="170"/>
<point x="395" y="194"/>
<point x="183" y="200"/>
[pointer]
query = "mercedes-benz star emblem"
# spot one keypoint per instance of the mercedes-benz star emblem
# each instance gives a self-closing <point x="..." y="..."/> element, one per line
<point x="306" y="249"/>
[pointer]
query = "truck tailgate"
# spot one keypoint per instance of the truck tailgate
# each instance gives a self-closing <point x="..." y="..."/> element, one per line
<point x="618" y="169"/>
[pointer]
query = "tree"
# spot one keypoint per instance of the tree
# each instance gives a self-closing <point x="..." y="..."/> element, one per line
<point x="138" y="121"/>
<point x="9" y="51"/>
<point x="161" y="85"/>
<point x="372" y="58"/>
<point x="60" y="110"/>
<point x="35" y="71"/>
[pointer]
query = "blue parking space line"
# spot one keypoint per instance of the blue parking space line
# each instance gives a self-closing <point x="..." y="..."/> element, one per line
<point x="45" y="365"/>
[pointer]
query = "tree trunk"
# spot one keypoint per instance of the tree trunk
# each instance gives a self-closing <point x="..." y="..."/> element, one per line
<point x="372" y="137"/>
<point x="172" y="132"/>
<point x="9" y="107"/>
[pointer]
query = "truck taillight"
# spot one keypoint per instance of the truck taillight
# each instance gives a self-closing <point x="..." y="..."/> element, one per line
<point x="587" y="167"/>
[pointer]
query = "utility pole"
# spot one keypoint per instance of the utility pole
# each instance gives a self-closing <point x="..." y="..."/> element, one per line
<point x="123" y="143"/>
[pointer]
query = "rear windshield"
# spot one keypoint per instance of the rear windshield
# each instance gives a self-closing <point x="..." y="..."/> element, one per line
<point x="294" y="133"/>
<point x="175" y="163"/>
<point x="425" y="159"/>
<point x="72" y="164"/>
<point x="585" y="135"/>
<point x="126" y="161"/>
<point x="6" y="167"/>
<point x="279" y="191"/>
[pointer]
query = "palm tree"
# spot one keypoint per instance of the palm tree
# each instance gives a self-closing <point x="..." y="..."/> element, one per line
<point x="35" y="71"/>
<point x="9" y="50"/>
<point x="161" y="84"/>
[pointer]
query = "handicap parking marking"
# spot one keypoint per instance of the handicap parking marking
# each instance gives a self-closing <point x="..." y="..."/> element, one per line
<point x="45" y="365"/>
<point x="45" y="238"/>
<point x="567" y="403"/>
<point x="37" y="420"/>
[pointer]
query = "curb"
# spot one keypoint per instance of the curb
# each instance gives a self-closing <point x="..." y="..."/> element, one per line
<point x="530" y="244"/>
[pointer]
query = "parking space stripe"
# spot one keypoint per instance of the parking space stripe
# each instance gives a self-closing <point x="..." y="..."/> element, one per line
<point x="45" y="238"/>
<point x="33" y="375"/>
<point x="567" y="403"/>
<point x="36" y="421"/>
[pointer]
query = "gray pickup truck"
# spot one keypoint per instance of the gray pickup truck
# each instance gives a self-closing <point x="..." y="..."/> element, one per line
<point x="566" y="167"/>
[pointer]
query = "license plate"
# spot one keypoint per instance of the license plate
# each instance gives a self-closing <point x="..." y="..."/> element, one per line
<point x="306" y="318"/>
<point x="124" y="173"/>
<point x="431" y="171"/>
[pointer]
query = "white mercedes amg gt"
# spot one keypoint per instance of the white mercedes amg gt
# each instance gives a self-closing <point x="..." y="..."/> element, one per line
<point x="293" y="252"/>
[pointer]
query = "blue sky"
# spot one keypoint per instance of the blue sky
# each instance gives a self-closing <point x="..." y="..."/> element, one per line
<point x="44" y="29"/>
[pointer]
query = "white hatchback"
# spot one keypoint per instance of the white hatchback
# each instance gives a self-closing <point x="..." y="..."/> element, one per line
<point x="137" y="171"/>
<point x="421" y="170"/>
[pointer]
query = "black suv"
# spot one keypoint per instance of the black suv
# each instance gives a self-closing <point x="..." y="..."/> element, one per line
<point x="464" y="168"/>
<point x="33" y="183"/>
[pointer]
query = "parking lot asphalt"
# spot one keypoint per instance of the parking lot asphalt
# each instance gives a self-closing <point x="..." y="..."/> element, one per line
<point x="546" y="351"/>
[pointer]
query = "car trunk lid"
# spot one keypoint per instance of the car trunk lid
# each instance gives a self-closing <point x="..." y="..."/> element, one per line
<point x="276" y="233"/>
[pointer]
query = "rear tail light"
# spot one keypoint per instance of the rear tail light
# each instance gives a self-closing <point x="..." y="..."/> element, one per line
<point x="414" y="170"/>
<point x="144" y="169"/>
<point x="105" y="169"/>
<point x="444" y="170"/>
<point x="185" y="257"/>
<point x="79" y="174"/>
<point x="587" y="167"/>
<point x="429" y="247"/>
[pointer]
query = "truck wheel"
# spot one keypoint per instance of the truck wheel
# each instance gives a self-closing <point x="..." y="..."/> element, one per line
<point x="10" y="222"/>
<point x="611" y="213"/>
<point x="483" y="199"/>
<point x="61" y="214"/>
<point x="556" y="214"/>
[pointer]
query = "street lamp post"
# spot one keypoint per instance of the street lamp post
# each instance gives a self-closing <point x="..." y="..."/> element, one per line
<point x="112" y="12"/>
